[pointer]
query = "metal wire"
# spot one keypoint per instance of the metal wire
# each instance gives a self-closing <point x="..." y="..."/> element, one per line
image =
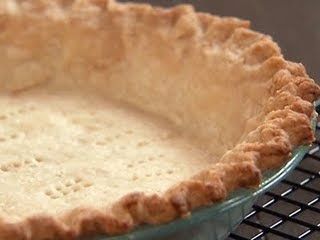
<point x="292" y="212"/>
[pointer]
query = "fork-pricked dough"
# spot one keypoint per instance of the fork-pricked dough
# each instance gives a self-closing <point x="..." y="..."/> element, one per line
<point x="60" y="150"/>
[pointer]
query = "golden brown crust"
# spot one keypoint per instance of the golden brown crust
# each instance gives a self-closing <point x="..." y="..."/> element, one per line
<point x="283" y="124"/>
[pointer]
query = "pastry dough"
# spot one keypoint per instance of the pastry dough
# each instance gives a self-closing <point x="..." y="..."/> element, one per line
<point x="115" y="115"/>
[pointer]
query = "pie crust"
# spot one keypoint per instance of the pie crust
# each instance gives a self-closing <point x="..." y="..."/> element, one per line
<point x="222" y="102"/>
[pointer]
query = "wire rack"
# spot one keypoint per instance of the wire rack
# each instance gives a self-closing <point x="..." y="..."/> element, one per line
<point x="291" y="210"/>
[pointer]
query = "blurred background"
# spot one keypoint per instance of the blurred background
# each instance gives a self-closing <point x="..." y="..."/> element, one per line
<point x="293" y="24"/>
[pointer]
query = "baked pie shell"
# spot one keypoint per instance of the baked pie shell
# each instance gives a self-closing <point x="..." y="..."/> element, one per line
<point x="286" y="125"/>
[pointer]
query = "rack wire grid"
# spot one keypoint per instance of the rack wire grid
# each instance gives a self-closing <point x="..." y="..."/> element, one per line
<point x="291" y="210"/>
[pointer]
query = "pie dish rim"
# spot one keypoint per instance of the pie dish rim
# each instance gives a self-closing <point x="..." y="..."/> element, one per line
<point x="236" y="199"/>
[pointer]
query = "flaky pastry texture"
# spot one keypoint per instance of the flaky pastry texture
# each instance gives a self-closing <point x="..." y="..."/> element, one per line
<point x="105" y="38"/>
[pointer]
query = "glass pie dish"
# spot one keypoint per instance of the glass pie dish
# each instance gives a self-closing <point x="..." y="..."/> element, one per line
<point x="216" y="222"/>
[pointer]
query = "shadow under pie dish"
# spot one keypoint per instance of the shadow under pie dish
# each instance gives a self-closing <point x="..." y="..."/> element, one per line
<point x="116" y="115"/>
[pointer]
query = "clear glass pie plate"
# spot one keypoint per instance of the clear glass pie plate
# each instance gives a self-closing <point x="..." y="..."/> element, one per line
<point x="217" y="221"/>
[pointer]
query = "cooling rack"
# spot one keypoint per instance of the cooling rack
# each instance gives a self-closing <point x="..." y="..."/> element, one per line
<point x="291" y="210"/>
